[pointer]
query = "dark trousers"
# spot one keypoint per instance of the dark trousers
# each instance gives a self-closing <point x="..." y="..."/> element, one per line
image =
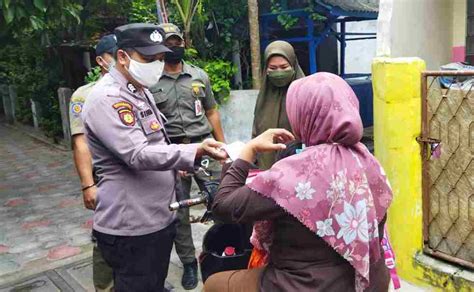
<point x="139" y="263"/>
<point x="184" y="240"/>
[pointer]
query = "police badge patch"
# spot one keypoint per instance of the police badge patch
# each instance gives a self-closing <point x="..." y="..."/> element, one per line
<point x="76" y="108"/>
<point x="127" y="117"/>
<point x="155" y="126"/>
<point x="124" y="110"/>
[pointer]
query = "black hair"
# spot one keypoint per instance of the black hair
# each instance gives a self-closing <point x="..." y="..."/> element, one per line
<point x="290" y="150"/>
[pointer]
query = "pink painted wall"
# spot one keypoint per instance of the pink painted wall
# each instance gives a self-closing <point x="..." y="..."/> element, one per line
<point x="458" y="54"/>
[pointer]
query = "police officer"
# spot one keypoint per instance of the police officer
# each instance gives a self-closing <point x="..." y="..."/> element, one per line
<point x="102" y="273"/>
<point x="184" y="95"/>
<point x="135" y="164"/>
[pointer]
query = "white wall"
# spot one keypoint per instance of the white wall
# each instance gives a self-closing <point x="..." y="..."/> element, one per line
<point x="237" y="115"/>
<point x="459" y="22"/>
<point x="359" y="54"/>
<point x="417" y="28"/>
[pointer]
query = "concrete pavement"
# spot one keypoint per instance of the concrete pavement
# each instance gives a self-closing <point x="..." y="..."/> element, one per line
<point x="45" y="242"/>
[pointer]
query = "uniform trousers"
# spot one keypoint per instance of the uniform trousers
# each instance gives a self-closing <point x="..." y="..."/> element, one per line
<point x="184" y="240"/>
<point x="139" y="263"/>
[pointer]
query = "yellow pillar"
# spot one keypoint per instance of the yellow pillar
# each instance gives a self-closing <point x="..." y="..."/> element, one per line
<point x="397" y="123"/>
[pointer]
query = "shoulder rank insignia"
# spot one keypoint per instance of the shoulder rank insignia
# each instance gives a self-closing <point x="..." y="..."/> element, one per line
<point x="124" y="110"/>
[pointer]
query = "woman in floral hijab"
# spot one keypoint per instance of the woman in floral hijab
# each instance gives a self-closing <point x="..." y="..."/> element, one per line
<point x="325" y="207"/>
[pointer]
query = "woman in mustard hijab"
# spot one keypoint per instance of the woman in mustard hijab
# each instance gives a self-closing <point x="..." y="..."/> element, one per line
<point x="281" y="68"/>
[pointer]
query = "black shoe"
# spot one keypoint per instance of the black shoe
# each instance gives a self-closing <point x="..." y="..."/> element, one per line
<point x="190" y="276"/>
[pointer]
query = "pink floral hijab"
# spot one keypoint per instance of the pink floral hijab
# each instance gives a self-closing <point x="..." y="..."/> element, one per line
<point x="335" y="187"/>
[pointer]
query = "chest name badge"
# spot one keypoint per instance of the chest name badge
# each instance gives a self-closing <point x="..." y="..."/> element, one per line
<point x="198" y="107"/>
<point x="146" y="113"/>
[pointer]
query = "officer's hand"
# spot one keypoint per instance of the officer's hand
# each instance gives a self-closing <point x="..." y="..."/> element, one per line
<point x="89" y="197"/>
<point x="213" y="149"/>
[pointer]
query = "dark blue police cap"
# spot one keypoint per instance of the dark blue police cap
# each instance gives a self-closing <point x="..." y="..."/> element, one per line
<point x="145" y="38"/>
<point x="107" y="44"/>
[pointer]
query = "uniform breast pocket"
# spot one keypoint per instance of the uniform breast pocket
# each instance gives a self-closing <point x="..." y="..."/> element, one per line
<point x="150" y="125"/>
<point x="160" y="97"/>
<point x="198" y="89"/>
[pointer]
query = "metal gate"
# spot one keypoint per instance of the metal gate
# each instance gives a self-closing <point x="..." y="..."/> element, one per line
<point x="448" y="166"/>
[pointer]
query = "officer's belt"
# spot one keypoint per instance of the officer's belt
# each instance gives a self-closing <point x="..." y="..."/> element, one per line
<point x="189" y="140"/>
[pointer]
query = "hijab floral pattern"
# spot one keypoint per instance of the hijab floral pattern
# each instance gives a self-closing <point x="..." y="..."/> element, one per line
<point x="335" y="187"/>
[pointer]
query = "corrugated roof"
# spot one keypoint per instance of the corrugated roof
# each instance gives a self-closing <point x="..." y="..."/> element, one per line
<point x="355" y="5"/>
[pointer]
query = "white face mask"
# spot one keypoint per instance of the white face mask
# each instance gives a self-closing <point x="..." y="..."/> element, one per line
<point x="147" y="74"/>
<point x="110" y="64"/>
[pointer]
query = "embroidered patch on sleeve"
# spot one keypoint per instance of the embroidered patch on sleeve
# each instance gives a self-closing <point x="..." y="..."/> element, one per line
<point x="126" y="115"/>
<point x="76" y="108"/>
<point x="122" y="104"/>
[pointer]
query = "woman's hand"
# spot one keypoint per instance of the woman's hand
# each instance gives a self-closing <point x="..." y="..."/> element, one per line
<point x="268" y="141"/>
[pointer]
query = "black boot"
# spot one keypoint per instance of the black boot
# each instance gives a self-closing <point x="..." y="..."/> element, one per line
<point x="190" y="276"/>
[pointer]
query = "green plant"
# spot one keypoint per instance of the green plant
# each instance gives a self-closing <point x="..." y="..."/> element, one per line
<point x="93" y="75"/>
<point x="288" y="21"/>
<point x="186" y="10"/>
<point x="220" y="73"/>
<point x="143" y="11"/>
<point x="24" y="66"/>
<point x="39" y="16"/>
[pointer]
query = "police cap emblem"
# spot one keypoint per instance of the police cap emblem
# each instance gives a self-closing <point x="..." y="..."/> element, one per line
<point x="156" y="37"/>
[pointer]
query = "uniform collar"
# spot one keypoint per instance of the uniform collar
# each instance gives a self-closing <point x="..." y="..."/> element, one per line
<point x="118" y="76"/>
<point x="186" y="71"/>
<point x="124" y="82"/>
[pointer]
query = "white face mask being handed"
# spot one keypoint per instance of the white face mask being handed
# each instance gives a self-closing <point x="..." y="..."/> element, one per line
<point x="147" y="74"/>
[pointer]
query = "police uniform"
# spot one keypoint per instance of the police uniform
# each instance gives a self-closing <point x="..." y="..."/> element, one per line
<point x="184" y="99"/>
<point x="102" y="273"/>
<point x="136" y="168"/>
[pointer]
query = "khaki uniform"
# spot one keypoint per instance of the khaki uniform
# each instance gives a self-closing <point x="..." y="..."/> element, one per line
<point x="75" y="108"/>
<point x="179" y="98"/>
<point x="102" y="273"/>
<point x="184" y="99"/>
